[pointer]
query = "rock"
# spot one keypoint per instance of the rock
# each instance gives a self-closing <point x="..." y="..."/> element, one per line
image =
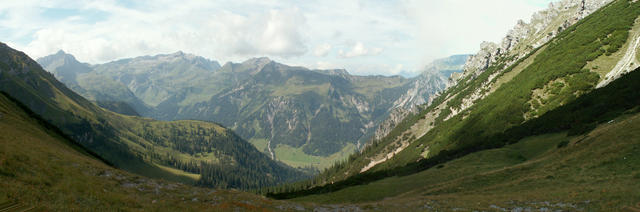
<point x="522" y="31"/>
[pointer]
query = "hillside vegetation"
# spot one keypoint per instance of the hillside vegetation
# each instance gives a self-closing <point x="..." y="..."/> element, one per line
<point x="302" y="117"/>
<point x="43" y="170"/>
<point x="545" y="163"/>
<point x="554" y="76"/>
<point x="184" y="151"/>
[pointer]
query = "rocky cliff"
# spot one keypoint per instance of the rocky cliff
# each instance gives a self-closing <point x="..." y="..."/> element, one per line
<point x="422" y="90"/>
<point x="524" y="37"/>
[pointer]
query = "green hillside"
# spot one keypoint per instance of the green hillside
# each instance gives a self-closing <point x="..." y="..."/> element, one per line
<point x="43" y="170"/>
<point x="185" y="151"/>
<point x="302" y="117"/>
<point x="552" y="171"/>
<point x="549" y="91"/>
<point x="548" y="162"/>
<point x="552" y="75"/>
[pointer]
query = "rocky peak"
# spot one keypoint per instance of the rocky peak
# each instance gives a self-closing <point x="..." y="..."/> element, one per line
<point x="257" y="61"/>
<point x="525" y="37"/>
<point x="62" y="59"/>
<point x="163" y="60"/>
<point x="334" y="72"/>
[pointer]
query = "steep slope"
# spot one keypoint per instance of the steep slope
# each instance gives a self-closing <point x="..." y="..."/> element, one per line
<point x="43" y="170"/>
<point x="547" y="162"/>
<point x="506" y="94"/>
<point x="186" y="151"/>
<point x="299" y="116"/>
<point x="545" y="172"/>
<point x="422" y="90"/>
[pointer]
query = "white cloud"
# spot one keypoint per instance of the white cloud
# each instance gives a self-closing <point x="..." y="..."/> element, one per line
<point x="359" y="50"/>
<point x="459" y="26"/>
<point x="411" y="32"/>
<point x="216" y="33"/>
<point x="324" y="65"/>
<point x="322" y="50"/>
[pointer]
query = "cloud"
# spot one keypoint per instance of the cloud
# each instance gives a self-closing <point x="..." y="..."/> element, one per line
<point x="322" y="50"/>
<point x="359" y="50"/>
<point x="459" y="26"/>
<point x="365" y="37"/>
<point x="201" y="29"/>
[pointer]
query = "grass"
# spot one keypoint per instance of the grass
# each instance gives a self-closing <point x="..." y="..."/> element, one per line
<point x="295" y="157"/>
<point x="508" y="76"/>
<point x="296" y="86"/>
<point x="531" y="171"/>
<point x="370" y="85"/>
<point x="40" y="168"/>
<point x="194" y="177"/>
<point x="132" y="143"/>
<point x="467" y="166"/>
<point x="605" y="63"/>
<point x="260" y="144"/>
<point x="564" y="57"/>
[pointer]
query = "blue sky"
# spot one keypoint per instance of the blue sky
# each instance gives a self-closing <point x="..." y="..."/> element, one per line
<point x="363" y="36"/>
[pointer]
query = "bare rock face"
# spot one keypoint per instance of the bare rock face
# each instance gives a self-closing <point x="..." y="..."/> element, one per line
<point x="479" y="62"/>
<point x="395" y="117"/>
<point x="524" y="37"/>
<point x="422" y="90"/>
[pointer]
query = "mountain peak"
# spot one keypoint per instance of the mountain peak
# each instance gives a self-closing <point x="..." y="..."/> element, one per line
<point x="178" y="53"/>
<point x="258" y="60"/>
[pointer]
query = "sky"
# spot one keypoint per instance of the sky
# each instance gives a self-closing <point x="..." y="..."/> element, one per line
<point x="365" y="37"/>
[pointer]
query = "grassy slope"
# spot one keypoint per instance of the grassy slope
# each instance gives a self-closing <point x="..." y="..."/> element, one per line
<point x="525" y="174"/>
<point x="40" y="168"/>
<point x="115" y="137"/>
<point x="564" y="58"/>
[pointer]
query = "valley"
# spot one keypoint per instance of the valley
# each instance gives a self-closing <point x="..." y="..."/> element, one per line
<point x="282" y="110"/>
<point x="546" y="119"/>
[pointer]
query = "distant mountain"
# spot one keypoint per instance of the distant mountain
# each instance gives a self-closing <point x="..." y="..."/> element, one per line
<point x="105" y="91"/>
<point x="423" y="88"/>
<point x="193" y="152"/>
<point x="300" y="116"/>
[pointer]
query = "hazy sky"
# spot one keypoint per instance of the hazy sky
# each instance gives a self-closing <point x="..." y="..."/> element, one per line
<point x="363" y="36"/>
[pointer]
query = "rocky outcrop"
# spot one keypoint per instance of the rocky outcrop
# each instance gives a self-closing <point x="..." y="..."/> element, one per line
<point x="422" y="90"/>
<point x="524" y="37"/>
<point x="520" y="41"/>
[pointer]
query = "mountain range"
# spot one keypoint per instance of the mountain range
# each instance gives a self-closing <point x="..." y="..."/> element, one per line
<point x="546" y="120"/>
<point x="300" y="116"/>
<point x="185" y="151"/>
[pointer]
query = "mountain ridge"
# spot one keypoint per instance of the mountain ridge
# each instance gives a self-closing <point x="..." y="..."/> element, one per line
<point x="256" y="86"/>
<point x="144" y="146"/>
